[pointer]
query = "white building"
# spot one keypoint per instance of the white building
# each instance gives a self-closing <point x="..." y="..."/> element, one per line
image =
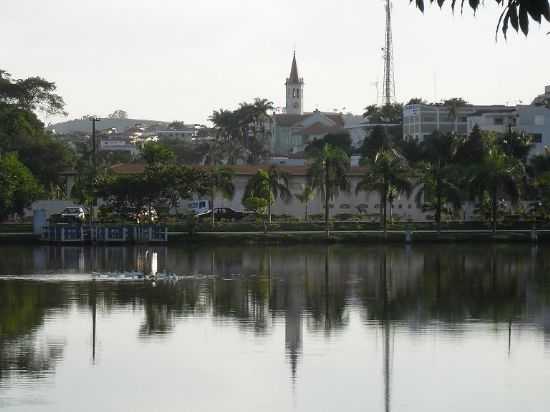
<point x="421" y="120"/>
<point x="366" y="204"/>
<point x="118" y="145"/>
<point x="533" y="120"/>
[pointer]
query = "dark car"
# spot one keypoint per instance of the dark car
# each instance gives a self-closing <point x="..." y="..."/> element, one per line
<point x="226" y="213"/>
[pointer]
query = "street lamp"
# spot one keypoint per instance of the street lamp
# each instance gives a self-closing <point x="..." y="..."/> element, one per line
<point x="93" y="119"/>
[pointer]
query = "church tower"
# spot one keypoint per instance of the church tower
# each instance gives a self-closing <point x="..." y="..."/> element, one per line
<point x="294" y="90"/>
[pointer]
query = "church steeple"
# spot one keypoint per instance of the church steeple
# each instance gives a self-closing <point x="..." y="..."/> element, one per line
<point x="294" y="71"/>
<point x="294" y="90"/>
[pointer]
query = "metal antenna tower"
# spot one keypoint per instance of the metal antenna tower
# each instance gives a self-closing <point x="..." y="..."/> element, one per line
<point x="389" y="81"/>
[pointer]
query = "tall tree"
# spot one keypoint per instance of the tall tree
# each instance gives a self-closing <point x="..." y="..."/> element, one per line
<point x="453" y="105"/>
<point x="219" y="179"/>
<point x="388" y="113"/>
<point x="328" y="174"/>
<point x="305" y="197"/>
<point x="157" y="153"/>
<point x="472" y="148"/>
<point x="247" y="127"/>
<point x="438" y="174"/>
<point x="387" y="172"/>
<point x="30" y="94"/>
<point x="497" y="175"/>
<point x="119" y="114"/>
<point x="416" y="100"/>
<point x="18" y="187"/>
<point x="377" y="141"/>
<point x="340" y="140"/>
<point x="269" y="185"/>
<point x="517" y="145"/>
<point x="22" y="132"/>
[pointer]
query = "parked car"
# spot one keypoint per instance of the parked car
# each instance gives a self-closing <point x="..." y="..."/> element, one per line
<point x="77" y="213"/>
<point x="226" y="213"/>
<point x="199" y="207"/>
<point x="72" y="214"/>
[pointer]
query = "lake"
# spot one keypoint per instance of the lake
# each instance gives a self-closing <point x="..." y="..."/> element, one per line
<point x="267" y="328"/>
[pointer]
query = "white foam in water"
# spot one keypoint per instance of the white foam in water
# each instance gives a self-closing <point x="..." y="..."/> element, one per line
<point x="52" y="277"/>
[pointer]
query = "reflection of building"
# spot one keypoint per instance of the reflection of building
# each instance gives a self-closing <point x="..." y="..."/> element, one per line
<point x="293" y="321"/>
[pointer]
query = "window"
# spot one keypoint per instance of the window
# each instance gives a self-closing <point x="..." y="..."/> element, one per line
<point x="536" y="138"/>
<point x="293" y="92"/>
<point x="410" y="206"/>
<point x="298" y="93"/>
<point x="376" y="206"/>
<point x="499" y="121"/>
<point x="400" y="206"/>
<point x="539" y="120"/>
<point x="345" y="206"/>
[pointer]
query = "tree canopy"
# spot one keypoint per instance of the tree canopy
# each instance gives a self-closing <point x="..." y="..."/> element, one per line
<point x="516" y="13"/>
<point x="18" y="187"/>
<point x="23" y="133"/>
<point x="340" y="140"/>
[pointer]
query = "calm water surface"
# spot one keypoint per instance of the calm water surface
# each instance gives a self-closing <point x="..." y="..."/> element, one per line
<point x="313" y="328"/>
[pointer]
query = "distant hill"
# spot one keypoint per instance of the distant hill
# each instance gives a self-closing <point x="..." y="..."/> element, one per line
<point x="85" y="126"/>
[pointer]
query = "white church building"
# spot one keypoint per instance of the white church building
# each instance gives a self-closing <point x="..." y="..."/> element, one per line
<point x="294" y="129"/>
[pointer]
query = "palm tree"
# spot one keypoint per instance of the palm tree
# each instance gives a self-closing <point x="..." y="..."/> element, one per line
<point x="498" y="175"/>
<point x="438" y="173"/>
<point x="453" y="105"/>
<point x="269" y="185"/>
<point x="219" y="179"/>
<point x="388" y="172"/>
<point x="328" y="174"/>
<point x="305" y="197"/>
<point x="226" y="123"/>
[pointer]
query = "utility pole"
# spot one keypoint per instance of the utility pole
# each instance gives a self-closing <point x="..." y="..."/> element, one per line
<point x="93" y="119"/>
<point x="389" y="81"/>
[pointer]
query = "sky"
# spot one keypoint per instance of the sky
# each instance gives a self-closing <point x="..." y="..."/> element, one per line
<point x="182" y="59"/>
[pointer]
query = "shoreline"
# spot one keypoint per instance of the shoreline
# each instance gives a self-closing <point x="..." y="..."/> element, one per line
<point x="305" y="237"/>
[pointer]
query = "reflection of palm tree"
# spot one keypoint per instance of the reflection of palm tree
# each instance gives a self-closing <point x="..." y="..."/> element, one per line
<point x="93" y="303"/>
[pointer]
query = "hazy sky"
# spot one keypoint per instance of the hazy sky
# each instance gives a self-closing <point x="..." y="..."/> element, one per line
<point x="181" y="59"/>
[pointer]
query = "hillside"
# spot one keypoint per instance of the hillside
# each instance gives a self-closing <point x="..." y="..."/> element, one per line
<point x="85" y="126"/>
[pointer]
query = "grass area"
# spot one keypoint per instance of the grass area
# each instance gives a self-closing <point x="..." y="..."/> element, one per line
<point x="16" y="228"/>
<point x="343" y="225"/>
<point x="352" y="237"/>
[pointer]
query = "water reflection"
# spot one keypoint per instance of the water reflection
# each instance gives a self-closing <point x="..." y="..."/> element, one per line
<point x="310" y="290"/>
<point x="23" y="308"/>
